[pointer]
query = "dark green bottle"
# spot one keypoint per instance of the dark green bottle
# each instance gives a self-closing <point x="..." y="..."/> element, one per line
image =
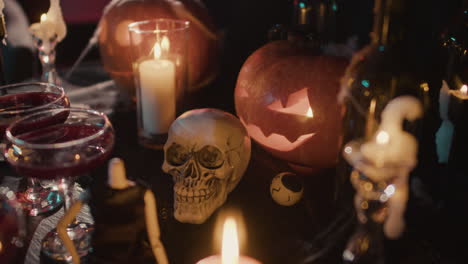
<point x="400" y="60"/>
<point x="454" y="111"/>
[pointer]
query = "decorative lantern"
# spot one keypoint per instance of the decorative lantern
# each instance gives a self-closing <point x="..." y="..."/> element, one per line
<point x="114" y="41"/>
<point x="286" y="96"/>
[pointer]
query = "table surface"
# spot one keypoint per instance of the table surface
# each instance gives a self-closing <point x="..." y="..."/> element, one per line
<point x="313" y="231"/>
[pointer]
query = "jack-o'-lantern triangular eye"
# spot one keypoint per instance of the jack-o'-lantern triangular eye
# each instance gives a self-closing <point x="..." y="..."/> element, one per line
<point x="297" y="104"/>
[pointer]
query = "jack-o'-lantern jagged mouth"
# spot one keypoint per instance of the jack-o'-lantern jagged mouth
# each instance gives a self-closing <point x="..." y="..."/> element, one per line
<point x="276" y="141"/>
<point x="297" y="104"/>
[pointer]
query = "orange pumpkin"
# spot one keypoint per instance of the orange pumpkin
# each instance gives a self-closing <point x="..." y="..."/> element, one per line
<point x="114" y="41"/>
<point x="286" y="96"/>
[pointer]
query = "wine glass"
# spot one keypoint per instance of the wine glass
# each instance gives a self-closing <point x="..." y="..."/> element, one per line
<point x="79" y="141"/>
<point x="16" y="101"/>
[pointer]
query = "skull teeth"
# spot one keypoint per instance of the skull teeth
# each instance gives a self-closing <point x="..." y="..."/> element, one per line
<point x="189" y="196"/>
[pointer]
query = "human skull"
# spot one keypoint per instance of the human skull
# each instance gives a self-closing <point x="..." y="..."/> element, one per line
<point x="206" y="153"/>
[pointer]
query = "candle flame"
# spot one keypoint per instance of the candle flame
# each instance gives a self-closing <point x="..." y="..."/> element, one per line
<point x="43" y="17"/>
<point x="165" y="44"/>
<point x="157" y="50"/>
<point x="230" y="245"/>
<point x="310" y="113"/>
<point x="464" y="89"/>
<point x="382" y="138"/>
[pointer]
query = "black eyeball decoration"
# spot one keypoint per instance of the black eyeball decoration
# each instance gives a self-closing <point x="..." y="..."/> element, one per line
<point x="286" y="188"/>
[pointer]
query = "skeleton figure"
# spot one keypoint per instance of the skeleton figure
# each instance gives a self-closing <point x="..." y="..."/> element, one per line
<point x="206" y="153"/>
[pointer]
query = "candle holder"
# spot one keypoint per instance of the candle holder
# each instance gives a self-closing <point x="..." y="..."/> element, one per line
<point x="46" y="54"/>
<point x="375" y="183"/>
<point x="159" y="62"/>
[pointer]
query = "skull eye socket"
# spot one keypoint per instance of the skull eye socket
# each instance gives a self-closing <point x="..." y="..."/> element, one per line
<point x="210" y="157"/>
<point x="177" y="155"/>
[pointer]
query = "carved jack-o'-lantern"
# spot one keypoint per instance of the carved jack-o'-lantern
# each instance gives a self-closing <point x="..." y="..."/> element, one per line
<point x="114" y="40"/>
<point x="286" y="97"/>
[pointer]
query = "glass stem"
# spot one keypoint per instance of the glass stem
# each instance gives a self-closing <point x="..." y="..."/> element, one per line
<point x="34" y="188"/>
<point x="46" y="49"/>
<point x="66" y="186"/>
<point x="49" y="74"/>
<point x="366" y="244"/>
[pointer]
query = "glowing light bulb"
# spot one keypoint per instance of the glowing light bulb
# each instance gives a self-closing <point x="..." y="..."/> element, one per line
<point x="43" y="17"/>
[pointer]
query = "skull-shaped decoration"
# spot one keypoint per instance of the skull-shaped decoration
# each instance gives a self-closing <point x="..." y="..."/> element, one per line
<point x="206" y="153"/>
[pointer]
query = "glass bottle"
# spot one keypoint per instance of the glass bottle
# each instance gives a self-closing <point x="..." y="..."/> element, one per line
<point x="400" y="60"/>
<point x="312" y="20"/>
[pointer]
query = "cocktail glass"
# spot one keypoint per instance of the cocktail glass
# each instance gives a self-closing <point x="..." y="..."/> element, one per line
<point x="19" y="100"/>
<point x="64" y="150"/>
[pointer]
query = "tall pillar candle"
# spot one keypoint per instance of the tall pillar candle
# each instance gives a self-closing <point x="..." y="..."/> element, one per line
<point x="157" y="95"/>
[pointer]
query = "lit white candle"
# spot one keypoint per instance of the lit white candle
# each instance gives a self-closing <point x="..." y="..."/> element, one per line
<point x="51" y="23"/>
<point x="157" y="91"/>
<point x="230" y="248"/>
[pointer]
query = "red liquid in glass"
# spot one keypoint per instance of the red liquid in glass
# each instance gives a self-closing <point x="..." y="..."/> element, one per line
<point x="24" y="101"/>
<point x="61" y="162"/>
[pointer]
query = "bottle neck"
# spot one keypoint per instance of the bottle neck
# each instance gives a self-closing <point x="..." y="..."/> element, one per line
<point x="392" y="22"/>
<point x="316" y="17"/>
<point x="456" y="42"/>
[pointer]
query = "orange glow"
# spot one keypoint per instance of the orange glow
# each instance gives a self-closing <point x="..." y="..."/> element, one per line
<point x="274" y="140"/>
<point x="230" y="246"/>
<point x="298" y="104"/>
<point x="310" y="113"/>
